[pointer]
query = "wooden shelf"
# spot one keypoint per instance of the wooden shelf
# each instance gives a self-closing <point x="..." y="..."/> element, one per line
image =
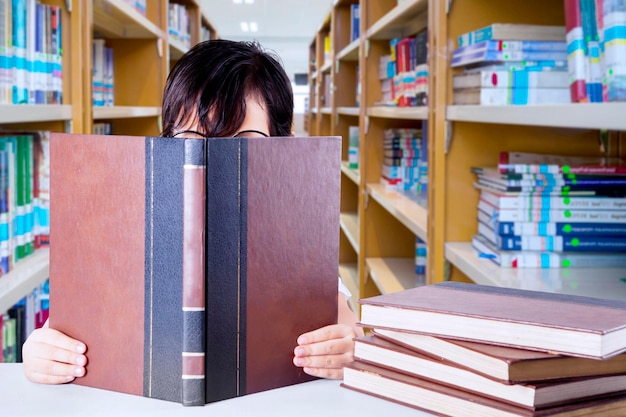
<point x="349" y="274"/>
<point x="606" y="283"/>
<point x="350" y="52"/>
<point x="392" y="274"/>
<point x="117" y="19"/>
<point x="32" y="113"/>
<point x="575" y="115"/>
<point x="177" y="49"/>
<point x="348" y="111"/>
<point x="327" y="110"/>
<point x="349" y="223"/>
<point x="326" y="67"/>
<point x="407" y="211"/>
<point x="25" y="276"/>
<point x="407" y="113"/>
<point x="405" y="19"/>
<point x="124" y="112"/>
<point x="353" y="174"/>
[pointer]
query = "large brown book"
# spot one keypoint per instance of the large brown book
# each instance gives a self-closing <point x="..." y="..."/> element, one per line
<point x="448" y="401"/>
<point x="380" y="352"/>
<point x="503" y="363"/>
<point x="189" y="267"/>
<point x="557" y="323"/>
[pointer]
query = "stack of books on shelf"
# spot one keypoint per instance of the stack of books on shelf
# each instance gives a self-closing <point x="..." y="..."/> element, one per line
<point x="512" y="64"/>
<point x="463" y="349"/>
<point x="404" y="72"/>
<point x="548" y="211"/>
<point x="402" y="156"/>
<point x="102" y="89"/>
<point x="596" y="43"/>
<point x="30" y="313"/>
<point x="31" y="70"/>
<point x="178" y="24"/>
<point x="24" y="196"/>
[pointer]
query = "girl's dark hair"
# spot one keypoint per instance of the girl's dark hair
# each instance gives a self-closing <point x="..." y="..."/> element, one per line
<point x="211" y="82"/>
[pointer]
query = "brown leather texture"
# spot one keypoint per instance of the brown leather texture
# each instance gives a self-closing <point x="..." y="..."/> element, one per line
<point x="79" y="165"/>
<point x="301" y="217"/>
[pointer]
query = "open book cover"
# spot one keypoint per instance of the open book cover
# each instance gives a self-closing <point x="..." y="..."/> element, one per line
<point x="189" y="267"/>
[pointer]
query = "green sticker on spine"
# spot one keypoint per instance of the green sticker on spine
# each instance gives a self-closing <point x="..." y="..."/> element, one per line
<point x="575" y="242"/>
<point x="566" y="169"/>
<point x="567" y="213"/>
<point x="567" y="228"/>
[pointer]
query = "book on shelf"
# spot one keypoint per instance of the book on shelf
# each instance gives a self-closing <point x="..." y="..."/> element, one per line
<point x="489" y="56"/>
<point x="355" y="17"/>
<point x="523" y="201"/>
<point x="503" y="363"/>
<point x="353" y="147"/>
<point x="545" y="258"/>
<point x="551" y="228"/>
<point x="531" y="66"/>
<point x="429" y="396"/>
<point x="189" y="252"/>
<point x="533" y="395"/>
<point x="519" y="45"/>
<point x="513" y="32"/>
<point x="557" y="323"/>
<point x="490" y="96"/>
<point x="511" y="79"/>
<point x="552" y="215"/>
<point x="569" y="243"/>
<point x="525" y="162"/>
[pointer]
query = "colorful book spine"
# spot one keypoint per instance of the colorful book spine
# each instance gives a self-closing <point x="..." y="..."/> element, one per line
<point x="563" y="243"/>
<point x="20" y="86"/>
<point x="615" y="49"/>
<point x="543" y="259"/>
<point x="592" y="51"/>
<point x="527" y="46"/>
<point x="512" y="79"/>
<point x="576" y="51"/>
<point x="511" y="96"/>
<point x="522" y="163"/>
<point x="521" y="66"/>
<point x="557" y="216"/>
<point x="355" y="29"/>
<point x="488" y="56"/>
<point x="353" y="147"/>
<point x="6" y="53"/>
<point x="559" y="229"/>
<point x="553" y="203"/>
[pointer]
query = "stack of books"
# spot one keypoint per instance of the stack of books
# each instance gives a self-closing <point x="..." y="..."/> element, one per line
<point x="471" y="350"/>
<point x="507" y="63"/>
<point x="404" y="72"/>
<point x="402" y="156"/>
<point x="549" y="211"/>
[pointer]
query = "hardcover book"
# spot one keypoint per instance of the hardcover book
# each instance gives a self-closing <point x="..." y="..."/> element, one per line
<point x="507" y="364"/>
<point x="521" y="162"/>
<point x="557" y="323"/>
<point x="447" y="401"/>
<point x="511" y="79"/>
<point x="545" y="258"/>
<point x="189" y="267"/>
<point x="533" y="395"/>
<point x="513" y="32"/>
<point x="489" y="96"/>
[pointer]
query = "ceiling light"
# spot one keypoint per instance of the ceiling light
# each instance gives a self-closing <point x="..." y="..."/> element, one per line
<point x="244" y="27"/>
<point x="249" y="1"/>
<point x="253" y="27"/>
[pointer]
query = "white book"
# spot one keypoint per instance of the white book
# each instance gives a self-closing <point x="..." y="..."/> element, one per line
<point x="515" y="96"/>
<point x="512" y="79"/>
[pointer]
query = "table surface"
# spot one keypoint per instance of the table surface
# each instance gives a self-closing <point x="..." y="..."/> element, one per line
<point x="20" y="397"/>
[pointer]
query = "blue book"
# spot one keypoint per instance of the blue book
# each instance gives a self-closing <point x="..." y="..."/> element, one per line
<point x="528" y="46"/>
<point x="545" y="259"/>
<point x="487" y="56"/>
<point x="20" y="86"/>
<point x="513" y="31"/>
<point x="559" y="229"/>
<point x="564" y="243"/>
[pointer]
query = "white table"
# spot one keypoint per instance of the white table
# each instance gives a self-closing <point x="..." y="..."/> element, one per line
<point x="20" y="397"/>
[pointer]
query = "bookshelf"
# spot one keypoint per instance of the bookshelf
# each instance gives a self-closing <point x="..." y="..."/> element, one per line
<point x="459" y="137"/>
<point x="143" y="54"/>
<point x="379" y="226"/>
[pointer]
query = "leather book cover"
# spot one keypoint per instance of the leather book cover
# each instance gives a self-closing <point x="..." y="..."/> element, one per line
<point x="116" y="267"/>
<point x="448" y="401"/>
<point x="506" y="364"/>
<point x="193" y="299"/>
<point x="271" y="257"/>
<point x="551" y="322"/>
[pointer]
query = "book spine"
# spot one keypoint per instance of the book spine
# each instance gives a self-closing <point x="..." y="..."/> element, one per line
<point x="563" y="243"/>
<point x="193" y="371"/>
<point x="560" y="203"/>
<point x="523" y="96"/>
<point x="559" y="228"/>
<point x="571" y="216"/>
<point x="496" y="56"/>
<point x="614" y="50"/>
<point x="526" y="46"/>
<point x="575" y="51"/>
